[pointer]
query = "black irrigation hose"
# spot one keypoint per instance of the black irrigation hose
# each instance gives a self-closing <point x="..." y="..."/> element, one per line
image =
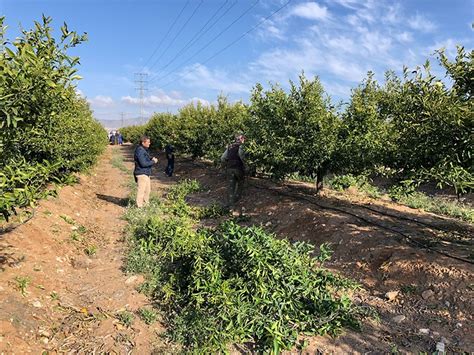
<point x="12" y="227"/>
<point x="412" y="220"/>
<point x="406" y="236"/>
<point x="369" y="222"/>
<point x="386" y="214"/>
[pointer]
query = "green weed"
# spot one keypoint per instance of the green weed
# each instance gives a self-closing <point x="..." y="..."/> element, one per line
<point x="415" y="199"/>
<point x="90" y="250"/>
<point x="22" y="283"/>
<point x="68" y="219"/>
<point x="149" y="316"/>
<point x="125" y="318"/>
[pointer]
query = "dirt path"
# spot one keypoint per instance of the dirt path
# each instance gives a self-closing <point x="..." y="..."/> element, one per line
<point x="70" y="257"/>
<point x="71" y="253"/>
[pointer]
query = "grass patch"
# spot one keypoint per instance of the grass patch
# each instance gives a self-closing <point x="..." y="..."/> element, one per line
<point x="90" y="250"/>
<point x="436" y="205"/>
<point x="125" y="318"/>
<point x="68" y="219"/>
<point x="149" y="316"/>
<point x="361" y="182"/>
<point x="117" y="162"/>
<point x="405" y="194"/>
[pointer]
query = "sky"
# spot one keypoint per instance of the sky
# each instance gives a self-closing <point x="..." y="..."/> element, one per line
<point x="194" y="50"/>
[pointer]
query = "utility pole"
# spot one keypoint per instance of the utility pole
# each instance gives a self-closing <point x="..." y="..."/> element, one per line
<point x="122" y="114"/>
<point x="141" y="81"/>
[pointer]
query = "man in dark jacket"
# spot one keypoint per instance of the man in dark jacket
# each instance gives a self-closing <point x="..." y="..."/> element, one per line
<point x="142" y="172"/>
<point x="169" y="151"/>
<point x="234" y="158"/>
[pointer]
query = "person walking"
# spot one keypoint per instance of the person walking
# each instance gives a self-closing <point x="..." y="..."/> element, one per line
<point x="169" y="151"/>
<point x="234" y="159"/>
<point x="142" y="171"/>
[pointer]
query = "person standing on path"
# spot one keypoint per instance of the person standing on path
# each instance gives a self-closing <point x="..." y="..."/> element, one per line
<point x="169" y="151"/>
<point x="234" y="159"/>
<point x="142" y="172"/>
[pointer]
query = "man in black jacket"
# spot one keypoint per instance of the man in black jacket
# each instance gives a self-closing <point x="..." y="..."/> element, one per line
<point x="142" y="172"/>
<point x="234" y="158"/>
<point x="169" y="151"/>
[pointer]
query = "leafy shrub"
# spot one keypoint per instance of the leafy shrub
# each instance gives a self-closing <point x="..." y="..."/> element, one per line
<point x="235" y="284"/>
<point x="47" y="131"/>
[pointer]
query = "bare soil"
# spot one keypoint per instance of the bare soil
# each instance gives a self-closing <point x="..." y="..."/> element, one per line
<point x="415" y="268"/>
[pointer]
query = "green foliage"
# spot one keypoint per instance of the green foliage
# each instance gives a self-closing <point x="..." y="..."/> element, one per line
<point x="148" y="315"/>
<point x="414" y="127"/>
<point x="433" y="127"/>
<point x="408" y="196"/>
<point x="362" y="182"/>
<point x="212" y="211"/>
<point x="22" y="283"/>
<point x="364" y="137"/>
<point x="291" y="133"/>
<point x="47" y="131"/>
<point x="185" y="187"/>
<point x="234" y="284"/>
<point x="132" y="133"/>
<point x="342" y="182"/>
<point x="125" y="317"/>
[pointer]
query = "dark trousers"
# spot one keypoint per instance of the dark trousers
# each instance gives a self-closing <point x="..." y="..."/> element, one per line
<point x="170" y="167"/>
<point x="235" y="180"/>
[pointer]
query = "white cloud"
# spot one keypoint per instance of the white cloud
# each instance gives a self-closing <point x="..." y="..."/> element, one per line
<point x="163" y="100"/>
<point x="101" y="101"/>
<point x="154" y="100"/>
<point x="376" y="43"/>
<point x="202" y="101"/>
<point x="311" y="11"/>
<point x="200" y="76"/>
<point x="420" y="23"/>
<point x="351" y="4"/>
<point x="404" y="37"/>
<point x="393" y="14"/>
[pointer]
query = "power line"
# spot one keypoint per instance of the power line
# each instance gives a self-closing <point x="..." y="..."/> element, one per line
<point x="198" y="34"/>
<point x="233" y="42"/>
<point x="246" y="33"/>
<point x="141" y="81"/>
<point x="208" y="43"/>
<point x="166" y="35"/>
<point x="176" y="36"/>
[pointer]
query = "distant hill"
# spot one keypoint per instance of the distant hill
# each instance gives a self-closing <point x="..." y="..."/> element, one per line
<point x="116" y="124"/>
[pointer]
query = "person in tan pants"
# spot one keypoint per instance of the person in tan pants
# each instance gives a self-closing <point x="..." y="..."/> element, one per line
<point x="142" y="171"/>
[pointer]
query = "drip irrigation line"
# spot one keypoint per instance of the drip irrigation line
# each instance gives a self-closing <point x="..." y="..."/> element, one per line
<point x="300" y="196"/>
<point x="408" y="219"/>
<point x="367" y="221"/>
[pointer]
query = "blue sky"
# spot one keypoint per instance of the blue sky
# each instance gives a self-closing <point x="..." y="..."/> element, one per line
<point x="337" y="40"/>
